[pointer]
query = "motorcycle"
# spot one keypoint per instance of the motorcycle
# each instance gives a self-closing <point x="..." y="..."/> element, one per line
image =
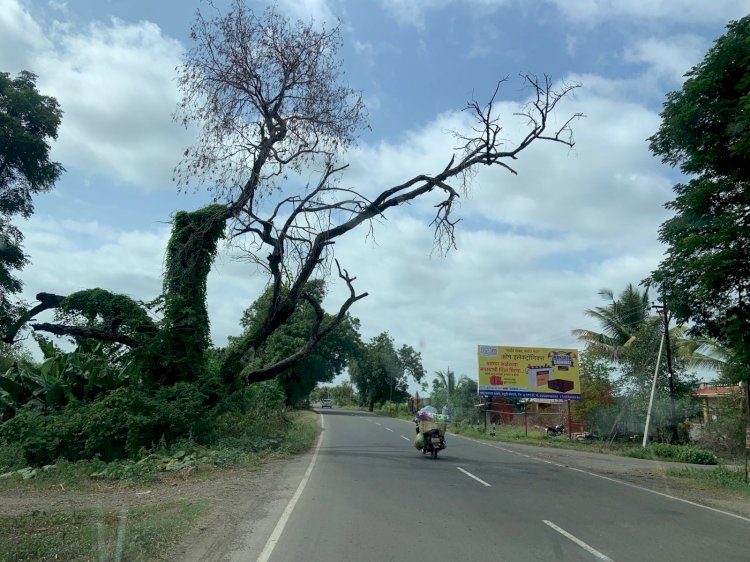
<point x="433" y="439"/>
<point x="554" y="430"/>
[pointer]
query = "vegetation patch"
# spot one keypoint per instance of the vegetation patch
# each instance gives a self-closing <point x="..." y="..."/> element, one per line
<point x="134" y="534"/>
<point x="244" y="442"/>
<point x="656" y="451"/>
<point x="675" y="453"/>
<point x="719" y="478"/>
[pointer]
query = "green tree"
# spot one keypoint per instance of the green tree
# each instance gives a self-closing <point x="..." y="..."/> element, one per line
<point x="28" y="121"/>
<point x="628" y="346"/>
<point x="598" y="391"/>
<point x="381" y="373"/>
<point x="341" y="394"/>
<point x="325" y="361"/>
<point x="705" y="130"/>
<point x="458" y="393"/>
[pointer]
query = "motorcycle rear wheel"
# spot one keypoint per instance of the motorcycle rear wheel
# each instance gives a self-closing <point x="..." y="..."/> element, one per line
<point x="434" y="454"/>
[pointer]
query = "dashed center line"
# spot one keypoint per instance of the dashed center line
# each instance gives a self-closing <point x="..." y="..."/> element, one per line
<point x="470" y="475"/>
<point x="402" y="437"/>
<point x="389" y="429"/>
<point x="378" y="423"/>
<point x="588" y="548"/>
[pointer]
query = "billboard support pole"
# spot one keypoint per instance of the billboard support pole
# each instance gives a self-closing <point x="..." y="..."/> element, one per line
<point x="570" y="423"/>
<point x="526" y="419"/>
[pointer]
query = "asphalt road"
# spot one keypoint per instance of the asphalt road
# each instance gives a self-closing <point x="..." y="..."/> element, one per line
<point x="371" y="496"/>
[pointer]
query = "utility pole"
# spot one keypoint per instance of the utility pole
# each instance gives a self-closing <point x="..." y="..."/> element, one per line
<point x="664" y="313"/>
<point x="653" y="390"/>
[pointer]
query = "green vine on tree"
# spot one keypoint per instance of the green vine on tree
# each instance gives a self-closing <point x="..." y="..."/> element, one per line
<point x="185" y="334"/>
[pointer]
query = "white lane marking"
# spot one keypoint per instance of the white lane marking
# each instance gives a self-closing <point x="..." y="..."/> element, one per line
<point x="276" y="534"/>
<point x="378" y="423"/>
<point x="389" y="429"/>
<point x="470" y="475"/>
<point x="402" y="437"/>
<point x="579" y="542"/>
<point x="715" y="510"/>
<point x="667" y="495"/>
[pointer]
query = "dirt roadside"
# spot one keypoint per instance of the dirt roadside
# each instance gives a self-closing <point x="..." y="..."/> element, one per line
<point x="244" y="505"/>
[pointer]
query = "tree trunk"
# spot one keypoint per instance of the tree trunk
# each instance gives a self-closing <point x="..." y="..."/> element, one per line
<point x="372" y="405"/>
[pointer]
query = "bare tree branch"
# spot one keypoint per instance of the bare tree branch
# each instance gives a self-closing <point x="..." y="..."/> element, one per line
<point x="268" y="100"/>
<point x="86" y="332"/>
<point x="46" y="302"/>
<point x="317" y="333"/>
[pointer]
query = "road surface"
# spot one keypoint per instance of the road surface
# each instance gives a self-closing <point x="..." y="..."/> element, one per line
<point x="369" y="495"/>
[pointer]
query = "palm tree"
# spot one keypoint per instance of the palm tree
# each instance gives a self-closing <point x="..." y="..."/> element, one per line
<point x="445" y="379"/>
<point x="620" y="321"/>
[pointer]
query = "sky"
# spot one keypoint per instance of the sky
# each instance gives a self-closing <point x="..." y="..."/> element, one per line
<point x="533" y="250"/>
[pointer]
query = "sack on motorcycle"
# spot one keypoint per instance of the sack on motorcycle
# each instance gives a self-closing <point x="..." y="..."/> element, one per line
<point x="419" y="441"/>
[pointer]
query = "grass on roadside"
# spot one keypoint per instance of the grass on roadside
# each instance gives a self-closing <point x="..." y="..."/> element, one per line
<point x="655" y="451"/>
<point x="91" y="534"/>
<point x="245" y="443"/>
<point x="719" y="478"/>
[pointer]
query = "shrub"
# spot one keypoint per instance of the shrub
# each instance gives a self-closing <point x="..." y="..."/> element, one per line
<point x="182" y="412"/>
<point x="678" y="453"/>
<point x="120" y="424"/>
<point x="695" y="455"/>
<point x="725" y="435"/>
<point x="11" y="457"/>
<point x="33" y="434"/>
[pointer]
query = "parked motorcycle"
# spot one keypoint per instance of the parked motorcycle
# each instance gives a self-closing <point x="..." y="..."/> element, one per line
<point x="554" y="430"/>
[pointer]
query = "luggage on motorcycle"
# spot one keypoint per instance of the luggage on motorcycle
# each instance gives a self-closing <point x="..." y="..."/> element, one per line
<point x="426" y="426"/>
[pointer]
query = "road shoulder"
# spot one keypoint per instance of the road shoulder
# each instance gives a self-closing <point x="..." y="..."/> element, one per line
<point x="650" y="474"/>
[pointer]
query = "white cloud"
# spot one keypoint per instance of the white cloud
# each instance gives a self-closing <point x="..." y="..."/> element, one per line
<point x="588" y="12"/>
<point x="318" y="10"/>
<point x="114" y="82"/>
<point x="532" y="253"/>
<point x="534" y="248"/>
<point x="669" y="58"/>
<point x="677" y="11"/>
<point x="68" y="256"/>
<point x="413" y="12"/>
<point x="366" y="50"/>
<point x="20" y="37"/>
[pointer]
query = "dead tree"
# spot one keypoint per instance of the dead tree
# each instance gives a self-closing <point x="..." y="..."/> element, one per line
<point x="268" y="98"/>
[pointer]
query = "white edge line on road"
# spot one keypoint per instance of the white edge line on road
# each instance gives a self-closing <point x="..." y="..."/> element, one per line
<point x="276" y="534"/>
<point x="402" y="437"/>
<point x="389" y="429"/>
<point x="666" y="495"/>
<point x="636" y="486"/>
<point x="579" y="542"/>
<point x="470" y="475"/>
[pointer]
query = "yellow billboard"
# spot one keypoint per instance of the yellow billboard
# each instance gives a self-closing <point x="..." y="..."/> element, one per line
<point x="528" y="372"/>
